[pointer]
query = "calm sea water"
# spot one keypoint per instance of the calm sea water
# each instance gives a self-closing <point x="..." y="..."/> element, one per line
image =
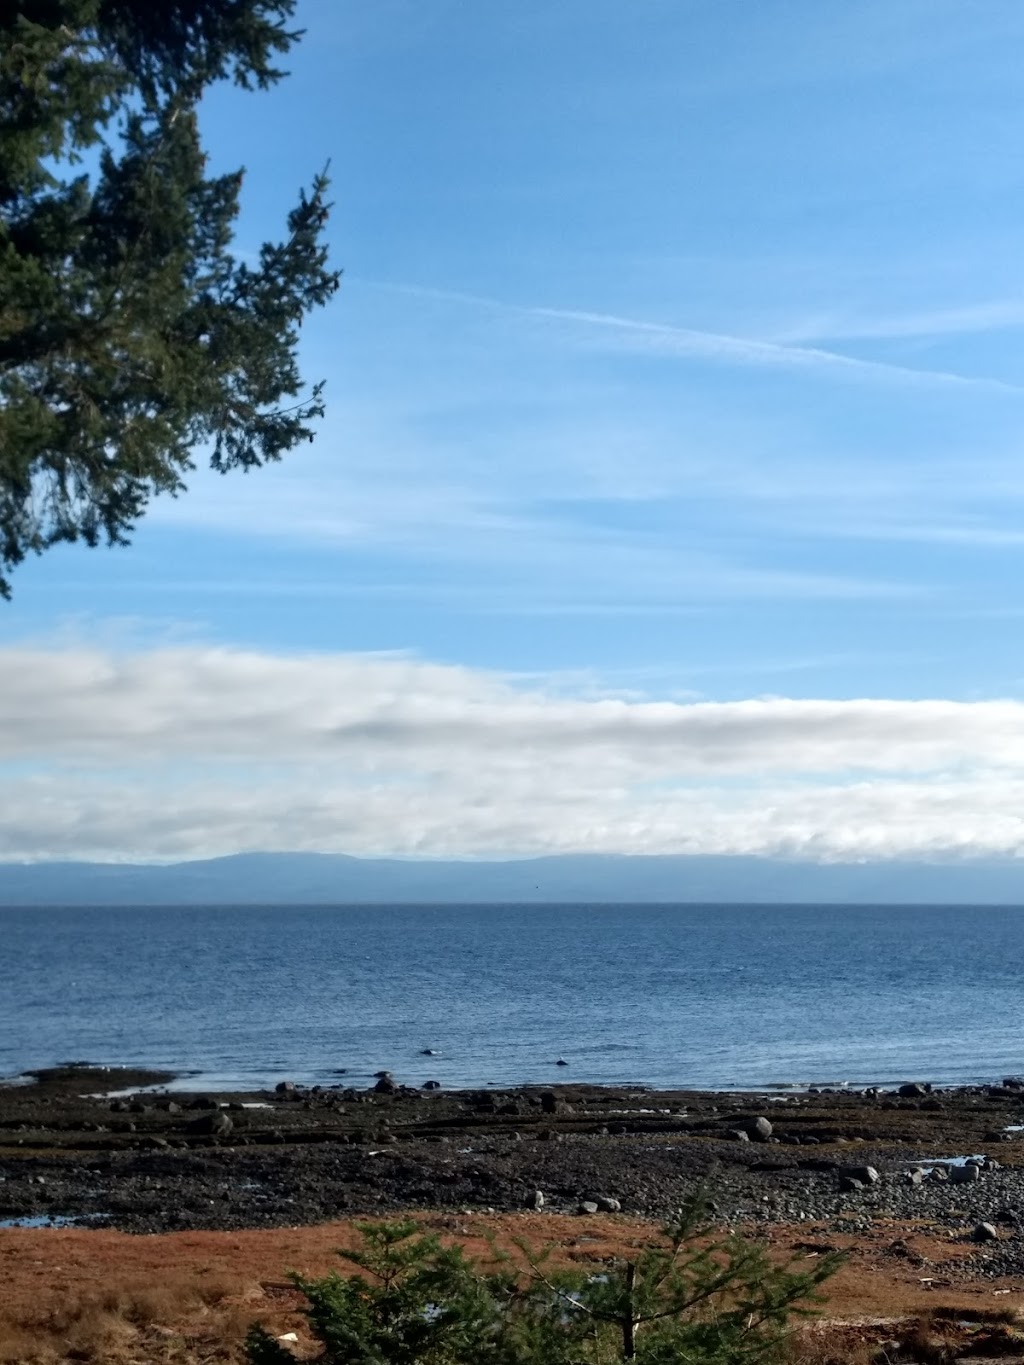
<point x="710" y="996"/>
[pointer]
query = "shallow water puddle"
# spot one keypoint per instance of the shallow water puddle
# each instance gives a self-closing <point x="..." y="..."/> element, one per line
<point x="45" y="1220"/>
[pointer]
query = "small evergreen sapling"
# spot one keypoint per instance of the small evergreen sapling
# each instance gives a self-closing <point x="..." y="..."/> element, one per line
<point x="695" y="1299"/>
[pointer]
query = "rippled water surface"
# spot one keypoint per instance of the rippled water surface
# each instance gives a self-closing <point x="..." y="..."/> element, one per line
<point x="714" y="996"/>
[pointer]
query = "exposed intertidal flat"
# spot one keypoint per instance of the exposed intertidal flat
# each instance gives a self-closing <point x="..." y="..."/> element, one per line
<point x="143" y="1160"/>
<point x="238" y="1188"/>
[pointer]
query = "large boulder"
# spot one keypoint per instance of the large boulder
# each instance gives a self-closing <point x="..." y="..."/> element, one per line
<point x="867" y="1175"/>
<point x="216" y="1124"/>
<point x="758" y="1129"/>
<point x="964" y="1175"/>
<point x="913" y="1090"/>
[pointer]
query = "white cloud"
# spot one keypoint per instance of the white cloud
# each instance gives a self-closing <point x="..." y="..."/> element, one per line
<point x="724" y="348"/>
<point x="992" y="316"/>
<point x="187" y="751"/>
<point x="687" y="342"/>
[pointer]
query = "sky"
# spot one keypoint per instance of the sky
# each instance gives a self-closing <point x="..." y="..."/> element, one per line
<point x="670" y="496"/>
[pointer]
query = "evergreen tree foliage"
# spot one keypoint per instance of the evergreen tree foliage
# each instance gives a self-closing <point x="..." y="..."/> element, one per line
<point x="698" y="1298"/>
<point x="129" y="334"/>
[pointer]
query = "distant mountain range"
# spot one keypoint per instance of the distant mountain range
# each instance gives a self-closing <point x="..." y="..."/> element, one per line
<point x="312" y="878"/>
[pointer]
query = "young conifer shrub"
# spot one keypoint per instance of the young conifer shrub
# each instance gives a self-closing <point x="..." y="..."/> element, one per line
<point x="694" y="1299"/>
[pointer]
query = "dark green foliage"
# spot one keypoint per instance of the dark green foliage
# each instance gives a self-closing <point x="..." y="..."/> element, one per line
<point x="696" y="1298"/>
<point x="129" y="334"/>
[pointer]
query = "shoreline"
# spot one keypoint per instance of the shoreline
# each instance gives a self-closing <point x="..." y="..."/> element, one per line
<point x="158" y="1160"/>
<point x="247" y="1185"/>
<point x="178" y="1081"/>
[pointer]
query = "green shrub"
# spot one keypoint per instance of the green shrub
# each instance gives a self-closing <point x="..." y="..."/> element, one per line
<point x="696" y="1299"/>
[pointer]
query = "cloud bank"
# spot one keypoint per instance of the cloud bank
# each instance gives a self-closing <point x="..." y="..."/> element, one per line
<point x="192" y="752"/>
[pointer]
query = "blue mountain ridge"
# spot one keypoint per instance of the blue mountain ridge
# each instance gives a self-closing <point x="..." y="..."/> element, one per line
<point x="317" y="878"/>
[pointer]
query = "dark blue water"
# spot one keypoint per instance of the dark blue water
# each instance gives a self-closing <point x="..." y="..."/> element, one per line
<point x="665" y="995"/>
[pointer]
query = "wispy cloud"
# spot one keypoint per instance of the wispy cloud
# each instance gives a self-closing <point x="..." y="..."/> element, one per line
<point x="992" y="316"/>
<point x="719" y="347"/>
<point x="189" y="751"/>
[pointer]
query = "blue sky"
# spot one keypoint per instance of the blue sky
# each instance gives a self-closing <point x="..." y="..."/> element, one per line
<point x="679" y="359"/>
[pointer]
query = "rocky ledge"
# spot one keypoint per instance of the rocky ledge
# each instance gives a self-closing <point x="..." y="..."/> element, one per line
<point x="155" y="1160"/>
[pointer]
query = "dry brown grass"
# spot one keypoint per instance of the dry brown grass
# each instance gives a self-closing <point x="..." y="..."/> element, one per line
<point x="90" y="1296"/>
<point x="182" y="1320"/>
<point x="830" y="1346"/>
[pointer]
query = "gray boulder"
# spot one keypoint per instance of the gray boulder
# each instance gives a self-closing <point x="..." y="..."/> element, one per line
<point x="867" y="1175"/>
<point x="984" y="1232"/>
<point x="759" y="1129"/>
<point x="212" y="1125"/>
<point x="587" y="1206"/>
<point x="913" y="1090"/>
<point x="964" y="1175"/>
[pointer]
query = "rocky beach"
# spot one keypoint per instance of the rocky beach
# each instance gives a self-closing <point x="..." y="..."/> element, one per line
<point x="118" y="1149"/>
<point x="921" y="1187"/>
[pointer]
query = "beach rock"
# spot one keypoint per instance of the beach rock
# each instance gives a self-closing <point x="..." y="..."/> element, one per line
<point x="385" y="1086"/>
<point x="536" y="1200"/>
<point x="867" y="1175"/>
<point x="561" y="1062"/>
<point x="759" y="1129"/>
<point x="548" y="1102"/>
<point x="913" y="1090"/>
<point x="916" y="1176"/>
<point x="738" y="1135"/>
<point x="284" y="1088"/>
<point x="431" y="1085"/>
<point x="984" y="1232"/>
<point x="964" y="1175"/>
<point x="212" y="1125"/>
<point x="587" y="1206"/>
<point x="848" y="1184"/>
<point x="605" y="1204"/>
<point x="939" y="1175"/>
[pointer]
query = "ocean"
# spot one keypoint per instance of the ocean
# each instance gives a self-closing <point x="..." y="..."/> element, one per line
<point x="708" y="996"/>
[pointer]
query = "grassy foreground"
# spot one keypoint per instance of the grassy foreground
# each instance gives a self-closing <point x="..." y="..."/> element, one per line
<point x="190" y="1298"/>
